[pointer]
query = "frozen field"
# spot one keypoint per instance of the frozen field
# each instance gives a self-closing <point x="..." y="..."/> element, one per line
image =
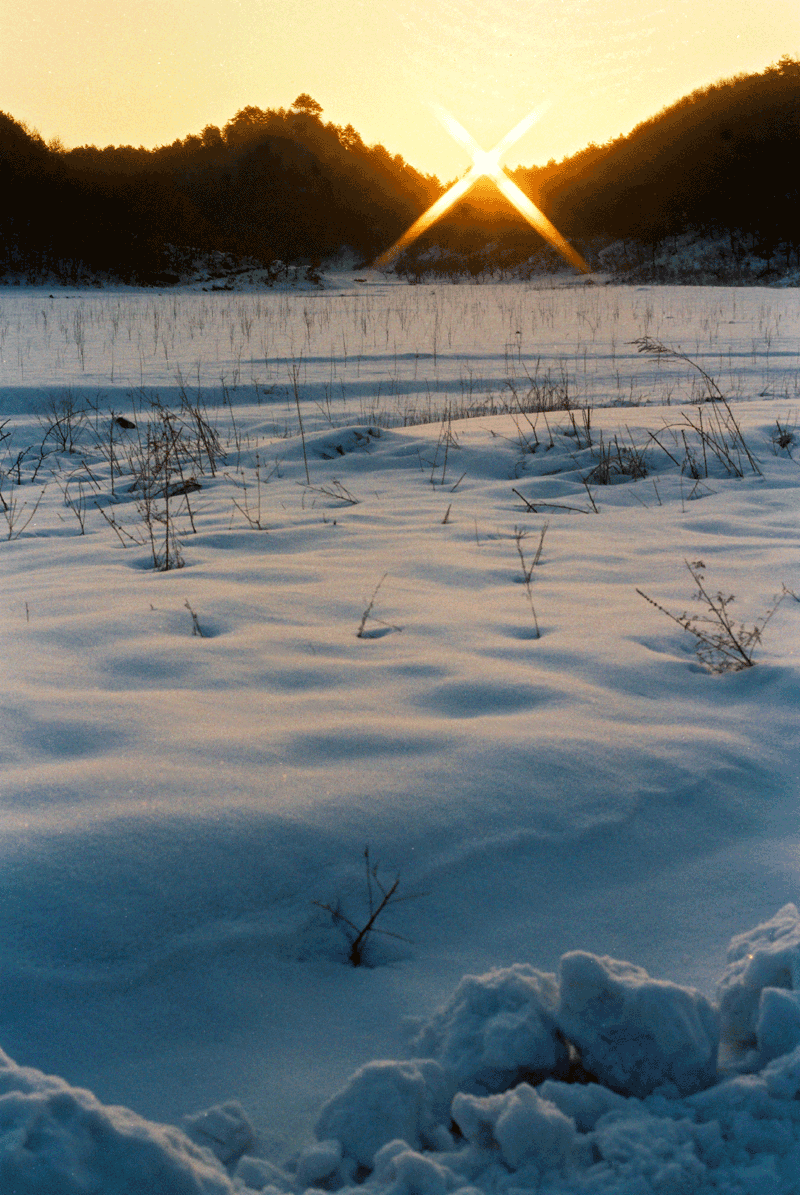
<point x="547" y="764"/>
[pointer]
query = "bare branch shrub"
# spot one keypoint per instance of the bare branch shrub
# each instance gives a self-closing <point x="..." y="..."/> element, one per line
<point x="783" y="437"/>
<point x="13" y="511"/>
<point x="157" y="469"/>
<point x="541" y="393"/>
<point x="250" y="506"/>
<point x="379" y="897"/>
<point x="615" y="460"/>
<point x="63" y="419"/>
<point x="334" y="489"/>
<point x="520" y="534"/>
<point x="722" y="644"/>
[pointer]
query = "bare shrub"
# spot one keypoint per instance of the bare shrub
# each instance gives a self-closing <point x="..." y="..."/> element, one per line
<point x="14" y="513"/>
<point x="63" y="419"/>
<point x="615" y="461"/>
<point x="783" y="437"/>
<point x="721" y="644"/>
<point x="378" y="898"/>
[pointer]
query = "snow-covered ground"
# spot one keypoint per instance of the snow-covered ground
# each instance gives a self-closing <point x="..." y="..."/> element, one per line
<point x="547" y="767"/>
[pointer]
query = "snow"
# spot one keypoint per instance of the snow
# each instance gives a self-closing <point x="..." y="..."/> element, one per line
<point x="56" y="1138"/>
<point x="585" y="817"/>
<point x="762" y="962"/>
<point x="383" y="1102"/>
<point x="635" y="1034"/>
<point x="498" y="1028"/>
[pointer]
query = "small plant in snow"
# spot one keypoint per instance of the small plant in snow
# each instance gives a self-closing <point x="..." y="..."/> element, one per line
<point x="334" y="489"/>
<point x="250" y="505"/>
<point x="722" y="644"/>
<point x="520" y="534"/>
<point x="649" y="344"/>
<point x="379" y="897"/>
<point x="617" y="460"/>
<point x="196" y="628"/>
<point x="783" y="437"/>
<point x="362" y="632"/>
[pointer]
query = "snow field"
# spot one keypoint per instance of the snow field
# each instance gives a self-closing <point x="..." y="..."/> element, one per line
<point x="384" y="349"/>
<point x="174" y="804"/>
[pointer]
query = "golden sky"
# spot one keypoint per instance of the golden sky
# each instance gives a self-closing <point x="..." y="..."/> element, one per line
<point x="145" y="73"/>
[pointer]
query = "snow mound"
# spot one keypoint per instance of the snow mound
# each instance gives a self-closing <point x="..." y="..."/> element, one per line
<point x="497" y="1029"/>
<point x="412" y="1128"/>
<point x="224" y="1129"/>
<point x="329" y="445"/>
<point x="384" y="1101"/>
<point x="403" y="1171"/>
<point x="660" y="1117"/>
<point x="59" y="1140"/>
<point x="524" y="1128"/>
<point x="636" y="1034"/>
<point x="759" y="961"/>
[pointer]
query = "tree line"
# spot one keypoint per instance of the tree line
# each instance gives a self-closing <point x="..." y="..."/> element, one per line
<point x="720" y="160"/>
<point x="271" y="185"/>
<point x="282" y="185"/>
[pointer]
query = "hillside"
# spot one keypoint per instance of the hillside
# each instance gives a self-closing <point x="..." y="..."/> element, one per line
<point x="721" y="160"/>
<point x="278" y="186"/>
<point x="270" y="186"/>
<point x="715" y="168"/>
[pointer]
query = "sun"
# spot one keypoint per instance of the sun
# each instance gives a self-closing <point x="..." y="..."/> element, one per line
<point x="486" y="164"/>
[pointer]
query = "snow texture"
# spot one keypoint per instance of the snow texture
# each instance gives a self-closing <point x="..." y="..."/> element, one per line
<point x="674" y="1123"/>
<point x="194" y="760"/>
<point x="59" y="1140"/>
<point x="636" y="1034"/>
<point x="225" y="1130"/>
<point x="764" y="958"/>
<point x="385" y="1101"/>
<point x="497" y="1029"/>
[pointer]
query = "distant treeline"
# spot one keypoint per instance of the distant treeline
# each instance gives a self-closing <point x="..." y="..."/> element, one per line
<point x="282" y="185"/>
<point x="722" y="160"/>
<point x="271" y="185"/>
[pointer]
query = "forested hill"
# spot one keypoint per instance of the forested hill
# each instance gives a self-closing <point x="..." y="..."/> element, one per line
<point x="270" y="184"/>
<point x="721" y="159"/>
<point x="284" y="185"/>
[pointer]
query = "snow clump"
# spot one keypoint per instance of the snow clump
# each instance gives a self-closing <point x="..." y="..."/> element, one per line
<point x="60" y="1140"/>
<point x="634" y="1105"/>
<point x="647" y="1110"/>
<point x="224" y="1129"/>
<point x="636" y="1034"/>
<point x="523" y="1127"/>
<point x="498" y="1029"/>
<point x="384" y="1101"/>
<point x="763" y="967"/>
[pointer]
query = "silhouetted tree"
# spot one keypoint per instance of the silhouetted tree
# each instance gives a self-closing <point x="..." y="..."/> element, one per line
<point x="305" y="103"/>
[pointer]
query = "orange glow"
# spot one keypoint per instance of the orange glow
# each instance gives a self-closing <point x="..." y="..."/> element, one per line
<point x="485" y="164"/>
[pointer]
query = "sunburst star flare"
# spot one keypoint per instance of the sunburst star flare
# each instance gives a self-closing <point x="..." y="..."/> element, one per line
<point x="486" y="164"/>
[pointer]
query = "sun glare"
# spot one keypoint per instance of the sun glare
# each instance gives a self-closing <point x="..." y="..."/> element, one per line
<point x="485" y="164"/>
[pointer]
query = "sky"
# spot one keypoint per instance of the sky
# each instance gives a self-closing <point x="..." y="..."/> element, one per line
<point x="113" y="72"/>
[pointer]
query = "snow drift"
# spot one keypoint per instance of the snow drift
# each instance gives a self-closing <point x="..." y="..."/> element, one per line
<point x="634" y="1101"/>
